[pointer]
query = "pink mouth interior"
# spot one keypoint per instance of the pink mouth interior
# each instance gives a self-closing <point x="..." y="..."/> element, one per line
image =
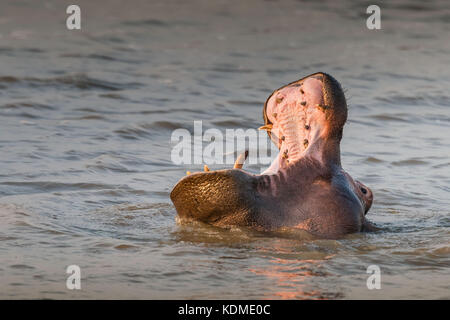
<point x="297" y="117"/>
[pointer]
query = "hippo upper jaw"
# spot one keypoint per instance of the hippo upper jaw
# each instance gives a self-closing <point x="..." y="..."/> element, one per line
<point x="306" y="117"/>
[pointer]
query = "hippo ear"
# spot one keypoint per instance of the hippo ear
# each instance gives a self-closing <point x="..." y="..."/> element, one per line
<point x="215" y="196"/>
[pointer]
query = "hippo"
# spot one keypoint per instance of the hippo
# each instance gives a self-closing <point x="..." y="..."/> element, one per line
<point x="305" y="187"/>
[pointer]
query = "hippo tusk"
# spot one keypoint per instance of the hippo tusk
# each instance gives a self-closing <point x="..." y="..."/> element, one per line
<point x="267" y="127"/>
<point x="240" y="160"/>
<point x="321" y="107"/>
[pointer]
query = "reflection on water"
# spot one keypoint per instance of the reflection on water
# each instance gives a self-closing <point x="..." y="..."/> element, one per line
<point x="85" y="125"/>
<point x="291" y="269"/>
<point x="291" y="279"/>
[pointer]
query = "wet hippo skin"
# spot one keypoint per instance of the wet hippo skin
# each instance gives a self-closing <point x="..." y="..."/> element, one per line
<point x="305" y="187"/>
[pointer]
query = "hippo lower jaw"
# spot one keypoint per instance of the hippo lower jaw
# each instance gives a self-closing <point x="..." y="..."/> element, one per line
<point x="305" y="187"/>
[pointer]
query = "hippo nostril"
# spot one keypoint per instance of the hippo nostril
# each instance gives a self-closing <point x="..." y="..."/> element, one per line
<point x="364" y="190"/>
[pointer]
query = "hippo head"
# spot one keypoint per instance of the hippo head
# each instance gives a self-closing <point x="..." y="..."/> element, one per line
<point x="305" y="186"/>
<point x="307" y="117"/>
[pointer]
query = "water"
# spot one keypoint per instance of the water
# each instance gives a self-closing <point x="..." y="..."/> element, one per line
<point x="85" y="125"/>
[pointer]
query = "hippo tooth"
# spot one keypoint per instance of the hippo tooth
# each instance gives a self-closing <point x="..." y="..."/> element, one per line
<point x="188" y="172"/>
<point x="302" y="92"/>
<point x="279" y="99"/>
<point x="321" y="107"/>
<point x="205" y="168"/>
<point x="240" y="160"/>
<point x="305" y="143"/>
<point x="303" y="103"/>
<point x="274" y="115"/>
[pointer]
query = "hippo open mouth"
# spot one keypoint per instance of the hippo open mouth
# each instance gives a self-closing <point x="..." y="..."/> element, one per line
<point x="296" y="118"/>
<point x="305" y="187"/>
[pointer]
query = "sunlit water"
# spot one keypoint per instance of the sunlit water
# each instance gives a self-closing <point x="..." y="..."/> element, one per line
<point x="86" y="119"/>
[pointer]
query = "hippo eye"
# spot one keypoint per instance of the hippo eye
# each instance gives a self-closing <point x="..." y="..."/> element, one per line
<point x="364" y="190"/>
